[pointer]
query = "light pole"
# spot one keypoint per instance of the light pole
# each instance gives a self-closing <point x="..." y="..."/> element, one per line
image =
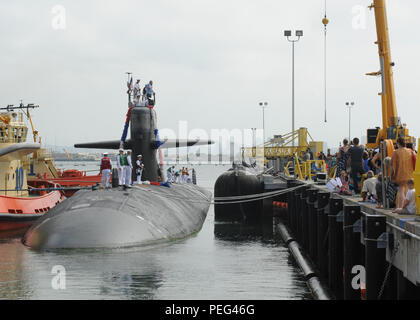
<point x="254" y="151"/>
<point x="263" y="106"/>
<point x="288" y="34"/>
<point x="349" y="105"/>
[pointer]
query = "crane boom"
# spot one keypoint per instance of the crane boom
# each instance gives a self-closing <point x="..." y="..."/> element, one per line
<point x="389" y="109"/>
<point x="391" y="125"/>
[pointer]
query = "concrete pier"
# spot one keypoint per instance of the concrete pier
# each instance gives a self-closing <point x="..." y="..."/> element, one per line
<point x="358" y="250"/>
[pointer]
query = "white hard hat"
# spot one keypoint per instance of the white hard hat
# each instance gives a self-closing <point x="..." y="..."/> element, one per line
<point x="139" y="155"/>
<point x="105" y="153"/>
<point x="120" y="150"/>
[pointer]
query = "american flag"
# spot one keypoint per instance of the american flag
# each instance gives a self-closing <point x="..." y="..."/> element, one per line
<point x="130" y="85"/>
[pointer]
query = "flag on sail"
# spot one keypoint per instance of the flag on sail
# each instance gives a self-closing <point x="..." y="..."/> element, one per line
<point x="130" y="85"/>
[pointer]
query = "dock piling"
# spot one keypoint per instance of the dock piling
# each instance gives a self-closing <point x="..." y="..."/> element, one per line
<point x="375" y="255"/>
<point x="353" y="249"/>
<point x="305" y="219"/>
<point x="335" y="246"/>
<point x="322" y="228"/>
<point x="313" y="224"/>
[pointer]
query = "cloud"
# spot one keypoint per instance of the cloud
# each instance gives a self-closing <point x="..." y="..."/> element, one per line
<point x="211" y="61"/>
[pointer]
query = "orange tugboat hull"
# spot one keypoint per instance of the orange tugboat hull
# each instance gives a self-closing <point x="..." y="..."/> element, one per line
<point x="21" y="212"/>
<point x="67" y="179"/>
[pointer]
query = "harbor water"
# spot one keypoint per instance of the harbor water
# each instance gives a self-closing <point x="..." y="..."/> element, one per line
<point x="222" y="261"/>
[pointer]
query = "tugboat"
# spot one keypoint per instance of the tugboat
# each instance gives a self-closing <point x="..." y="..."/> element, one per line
<point x="20" y="206"/>
<point x="42" y="170"/>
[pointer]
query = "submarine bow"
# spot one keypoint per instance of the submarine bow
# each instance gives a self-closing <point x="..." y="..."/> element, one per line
<point x="140" y="216"/>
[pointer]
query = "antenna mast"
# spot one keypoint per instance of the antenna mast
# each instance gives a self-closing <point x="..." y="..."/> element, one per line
<point x="129" y="83"/>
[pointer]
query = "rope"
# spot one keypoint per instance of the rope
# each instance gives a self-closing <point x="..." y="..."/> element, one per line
<point x="48" y="189"/>
<point x="59" y="180"/>
<point x="391" y="261"/>
<point x="226" y="200"/>
<point x="325" y="65"/>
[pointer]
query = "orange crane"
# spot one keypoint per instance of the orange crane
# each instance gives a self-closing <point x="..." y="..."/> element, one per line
<point x="391" y="123"/>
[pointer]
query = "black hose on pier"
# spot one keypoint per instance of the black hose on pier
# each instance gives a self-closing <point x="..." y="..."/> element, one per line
<point x="319" y="291"/>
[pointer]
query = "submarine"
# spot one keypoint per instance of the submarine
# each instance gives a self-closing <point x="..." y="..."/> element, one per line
<point x="240" y="180"/>
<point x="145" y="214"/>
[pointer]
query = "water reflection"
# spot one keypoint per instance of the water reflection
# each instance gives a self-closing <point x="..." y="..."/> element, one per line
<point x="101" y="274"/>
<point x="132" y="286"/>
<point x="237" y="231"/>
<point x="260" y="243"/>
<point x="14" y="280"/>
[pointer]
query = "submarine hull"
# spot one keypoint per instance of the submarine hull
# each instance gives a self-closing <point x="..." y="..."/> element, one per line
<point x="110" y="218"/>
<point x="238" y="182"/>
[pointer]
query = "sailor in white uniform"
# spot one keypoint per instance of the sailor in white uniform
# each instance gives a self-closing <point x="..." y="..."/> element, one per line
<point x="171" y="172"/>
<point x="127" y="170"/>
<point x="120" y="166"/>
<point x="139" y="168"/>
<point x="137" y="92"/>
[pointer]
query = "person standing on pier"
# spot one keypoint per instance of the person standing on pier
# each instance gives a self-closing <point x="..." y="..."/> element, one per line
<point x="356" y="164"/>
<point x="106" y="167"/>
<point x="342" y="157"/>
<point x="401" y="169"/>
<point x="307" y="155"/>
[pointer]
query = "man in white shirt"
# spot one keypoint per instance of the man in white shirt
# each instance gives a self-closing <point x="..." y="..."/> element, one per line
<point x="409" y="206"/>
<point x="369" y="184"/>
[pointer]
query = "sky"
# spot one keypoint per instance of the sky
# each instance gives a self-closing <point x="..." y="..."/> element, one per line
<point x="211" y="62"/>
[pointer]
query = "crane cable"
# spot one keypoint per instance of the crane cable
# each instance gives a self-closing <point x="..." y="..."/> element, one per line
<point x="325" y="23"/>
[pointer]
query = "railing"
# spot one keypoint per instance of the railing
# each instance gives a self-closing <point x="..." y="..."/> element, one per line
<point x="306" y="169"/>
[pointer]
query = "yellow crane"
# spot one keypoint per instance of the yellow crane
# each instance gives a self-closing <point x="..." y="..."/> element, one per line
<point x="35" y="132"/>
<point x="391" y="124"/>
<point x="281" y="146"/>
